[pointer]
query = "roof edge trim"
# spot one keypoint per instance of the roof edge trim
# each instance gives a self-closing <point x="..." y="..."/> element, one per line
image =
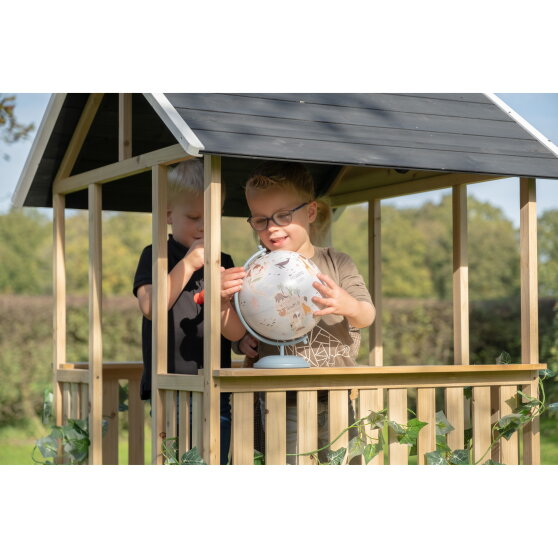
<point x="175" y="123"/>
<point x="529" y="128"/>
<point x="36" y="153"/>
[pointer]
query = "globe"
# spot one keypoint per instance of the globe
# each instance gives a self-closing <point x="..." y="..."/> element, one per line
<point x="276" y="295"/>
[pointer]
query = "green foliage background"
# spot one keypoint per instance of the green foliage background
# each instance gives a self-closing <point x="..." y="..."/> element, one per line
<point x="416" y="271"/>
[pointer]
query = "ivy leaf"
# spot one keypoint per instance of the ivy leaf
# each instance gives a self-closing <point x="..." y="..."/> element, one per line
<point x="336" y="457"/>
<point x="192" y="457"/>
<point x="491" y="462"/>
<point x="468" y="392"/>
<point x="78" y="449"/>
<point x="258" y="458"/>
<point x="509" y="419"/>
<point x="552" y="407"/>
<point x="459" y="457"/>
<point x="468" y="435"/>
<point x="356" y="447"/>
<point x="503" y="358"/>
<point x="435" y="458"/>
<point x="48" y="399"/>
<point x="376" y="420"/>
<point x="441" y="444"/>
<point x="544" y="374"/>
<point x="411" y="434"/>
<point x="371" y="451"/>
<point x="442" y="424"/>
<point x="396" y="427"/>
<point x="48" y="446"/>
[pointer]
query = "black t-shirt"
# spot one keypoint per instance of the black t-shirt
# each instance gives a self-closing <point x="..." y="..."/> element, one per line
<point x="185" y="320"/>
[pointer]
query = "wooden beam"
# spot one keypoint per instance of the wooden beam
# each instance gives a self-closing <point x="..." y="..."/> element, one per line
<point x="122" y="169"/>
<point x="78" y="137"/>
<point x="124" y="126"/>
<point x="159" y="307"/>
<point x="406" y="187"/>
<point x="529" y="304"/>
<point x="212" y="307"/>
<point x="59" y="295"/>
<point x="376" y="348"/>
<point x="95" y="325"/>
<point x="426" y="412"/>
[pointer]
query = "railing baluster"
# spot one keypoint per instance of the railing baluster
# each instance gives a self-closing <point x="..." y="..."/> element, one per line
<point x="509" y="449"/>
<point x="397" y="411"/>
<point x="481" y="423"/>
<point x="371" y="400"/>
<point x="426" y="412"/>
<point x="184" y="422"/>
<point x="243" y="428"/>
<point x="276" y="428"/>
<point x="307" y="427"/>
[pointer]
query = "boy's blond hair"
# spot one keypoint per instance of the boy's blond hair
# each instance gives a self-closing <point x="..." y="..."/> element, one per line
<point x="294" y="176"/>
<point x="187" y="178"/>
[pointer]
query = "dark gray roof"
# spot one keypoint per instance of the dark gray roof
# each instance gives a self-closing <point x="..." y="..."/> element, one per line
<point x="438" y="132"/>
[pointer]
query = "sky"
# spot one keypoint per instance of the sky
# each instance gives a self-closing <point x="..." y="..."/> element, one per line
<point x="539" y="109"/>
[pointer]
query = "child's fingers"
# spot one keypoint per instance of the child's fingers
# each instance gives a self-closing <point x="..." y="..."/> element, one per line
<point x="322" y="289"/>
<point x="325" y="311"/>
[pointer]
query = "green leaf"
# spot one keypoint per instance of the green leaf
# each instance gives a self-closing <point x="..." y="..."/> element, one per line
<point x="468" y="392"/>
<point x="435" y="458"/>
<point x="411" y="433"/>
<point x="459" y="457"/>
<point x="192" y="457"/>
<point x="503" y="358"/>
<point x="491" y="462"/>
<point x="78" y="449"/>
<point x="48" y="446"/>
<point x="552" y="407"/>
<point x="468" y="435"/>
<point x="48" y="399"/>
<point x="371" y="451"/>
<point x="544" y="374"/>
<point x="356" y="447"/>
<point x="442" y="424"/>
<point x="396" y="427"/>
<point x="258" y="458"/>
<point x="336" y="457"/>
<point x="514" y="418"/>
<point x="441" y="444"/>
<point x="376" y="420"/>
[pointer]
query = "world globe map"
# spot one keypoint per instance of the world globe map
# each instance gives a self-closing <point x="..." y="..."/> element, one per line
<point x="276" y="295"/>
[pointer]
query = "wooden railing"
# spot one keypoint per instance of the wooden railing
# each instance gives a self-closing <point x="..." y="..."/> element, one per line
<point x="344" y="393"/>
<point x="74" y="379"/>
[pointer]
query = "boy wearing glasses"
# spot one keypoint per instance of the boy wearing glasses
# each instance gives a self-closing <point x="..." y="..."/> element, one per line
<point x="285" y="216"/>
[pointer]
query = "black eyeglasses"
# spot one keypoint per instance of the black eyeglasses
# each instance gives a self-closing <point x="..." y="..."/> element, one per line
<point x="281" y="218"/>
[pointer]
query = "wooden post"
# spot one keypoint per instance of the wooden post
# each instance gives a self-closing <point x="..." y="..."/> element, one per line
<point x="136" y="430"/>
<point x="159" y="309"/>
<point x="59" y="294"/>
<point x="455" y="411"/>
<point x="397" y="403"/>
<point x="124" y="126"/>
<point x="529" y="307"/>
<point x="426" y="412"/>
<point x="95" y="328"/>
<point x="212" y="308"/>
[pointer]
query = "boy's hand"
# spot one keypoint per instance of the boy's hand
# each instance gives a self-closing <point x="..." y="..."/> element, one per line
<point x="231" y="282"/>
<point x="247" y="345"/>
<point x="194" y="257"/>
<point x="335" y="299"/>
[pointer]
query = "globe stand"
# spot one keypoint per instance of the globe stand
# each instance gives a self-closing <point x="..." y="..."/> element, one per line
<point x="272" y="361"/>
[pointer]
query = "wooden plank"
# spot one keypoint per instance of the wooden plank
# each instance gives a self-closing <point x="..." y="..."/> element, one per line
<point x="136" y="428"/>
<point x="110" y="414"/>
<point x="243" y="429"/>
<point x="197" y="421"/>
<point x="159" y="306"/>
<point x="447" y="370"/>
<point x="481" y="424"/>
<point x="170" y="414"/>
<point x="376" y="348"/>
<point x="78" y="138"/>
<point x="180" y="382"/>
<point x="426" y="412"/>
<point x="307" y="426"/>
<point x="509" y="449"/>
<point x="276" y="428"/>
<point x="402" y="381"/>
<point x="84" y="402"/>
<point x="122" y="169"/>
<point x="73" y="376"/>
<point x="95" y="325"/>
<point x="529" y="303"/>
<point x="184" y="422"/>
<point x="338" y="419"/>
<point x="74" y="401"/>
<point x="124" y="126"/>
<point x="455" y="413"/>
<point x="460" y="276"/>
<point x="397" y="411"/>
<point x="66" y="395"/>
<point x="531" y="432"/>
<point x="212" y="307"/>
<point x="495" y="417"/>
<point x="371" y="400"/>
<point x="59" y="302"/>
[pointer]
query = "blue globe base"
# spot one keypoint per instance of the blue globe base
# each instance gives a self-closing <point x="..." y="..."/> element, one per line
<point x="281" y="361"/>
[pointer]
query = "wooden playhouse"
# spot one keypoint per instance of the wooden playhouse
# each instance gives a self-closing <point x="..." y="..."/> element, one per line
<point x="110" y="152"/>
